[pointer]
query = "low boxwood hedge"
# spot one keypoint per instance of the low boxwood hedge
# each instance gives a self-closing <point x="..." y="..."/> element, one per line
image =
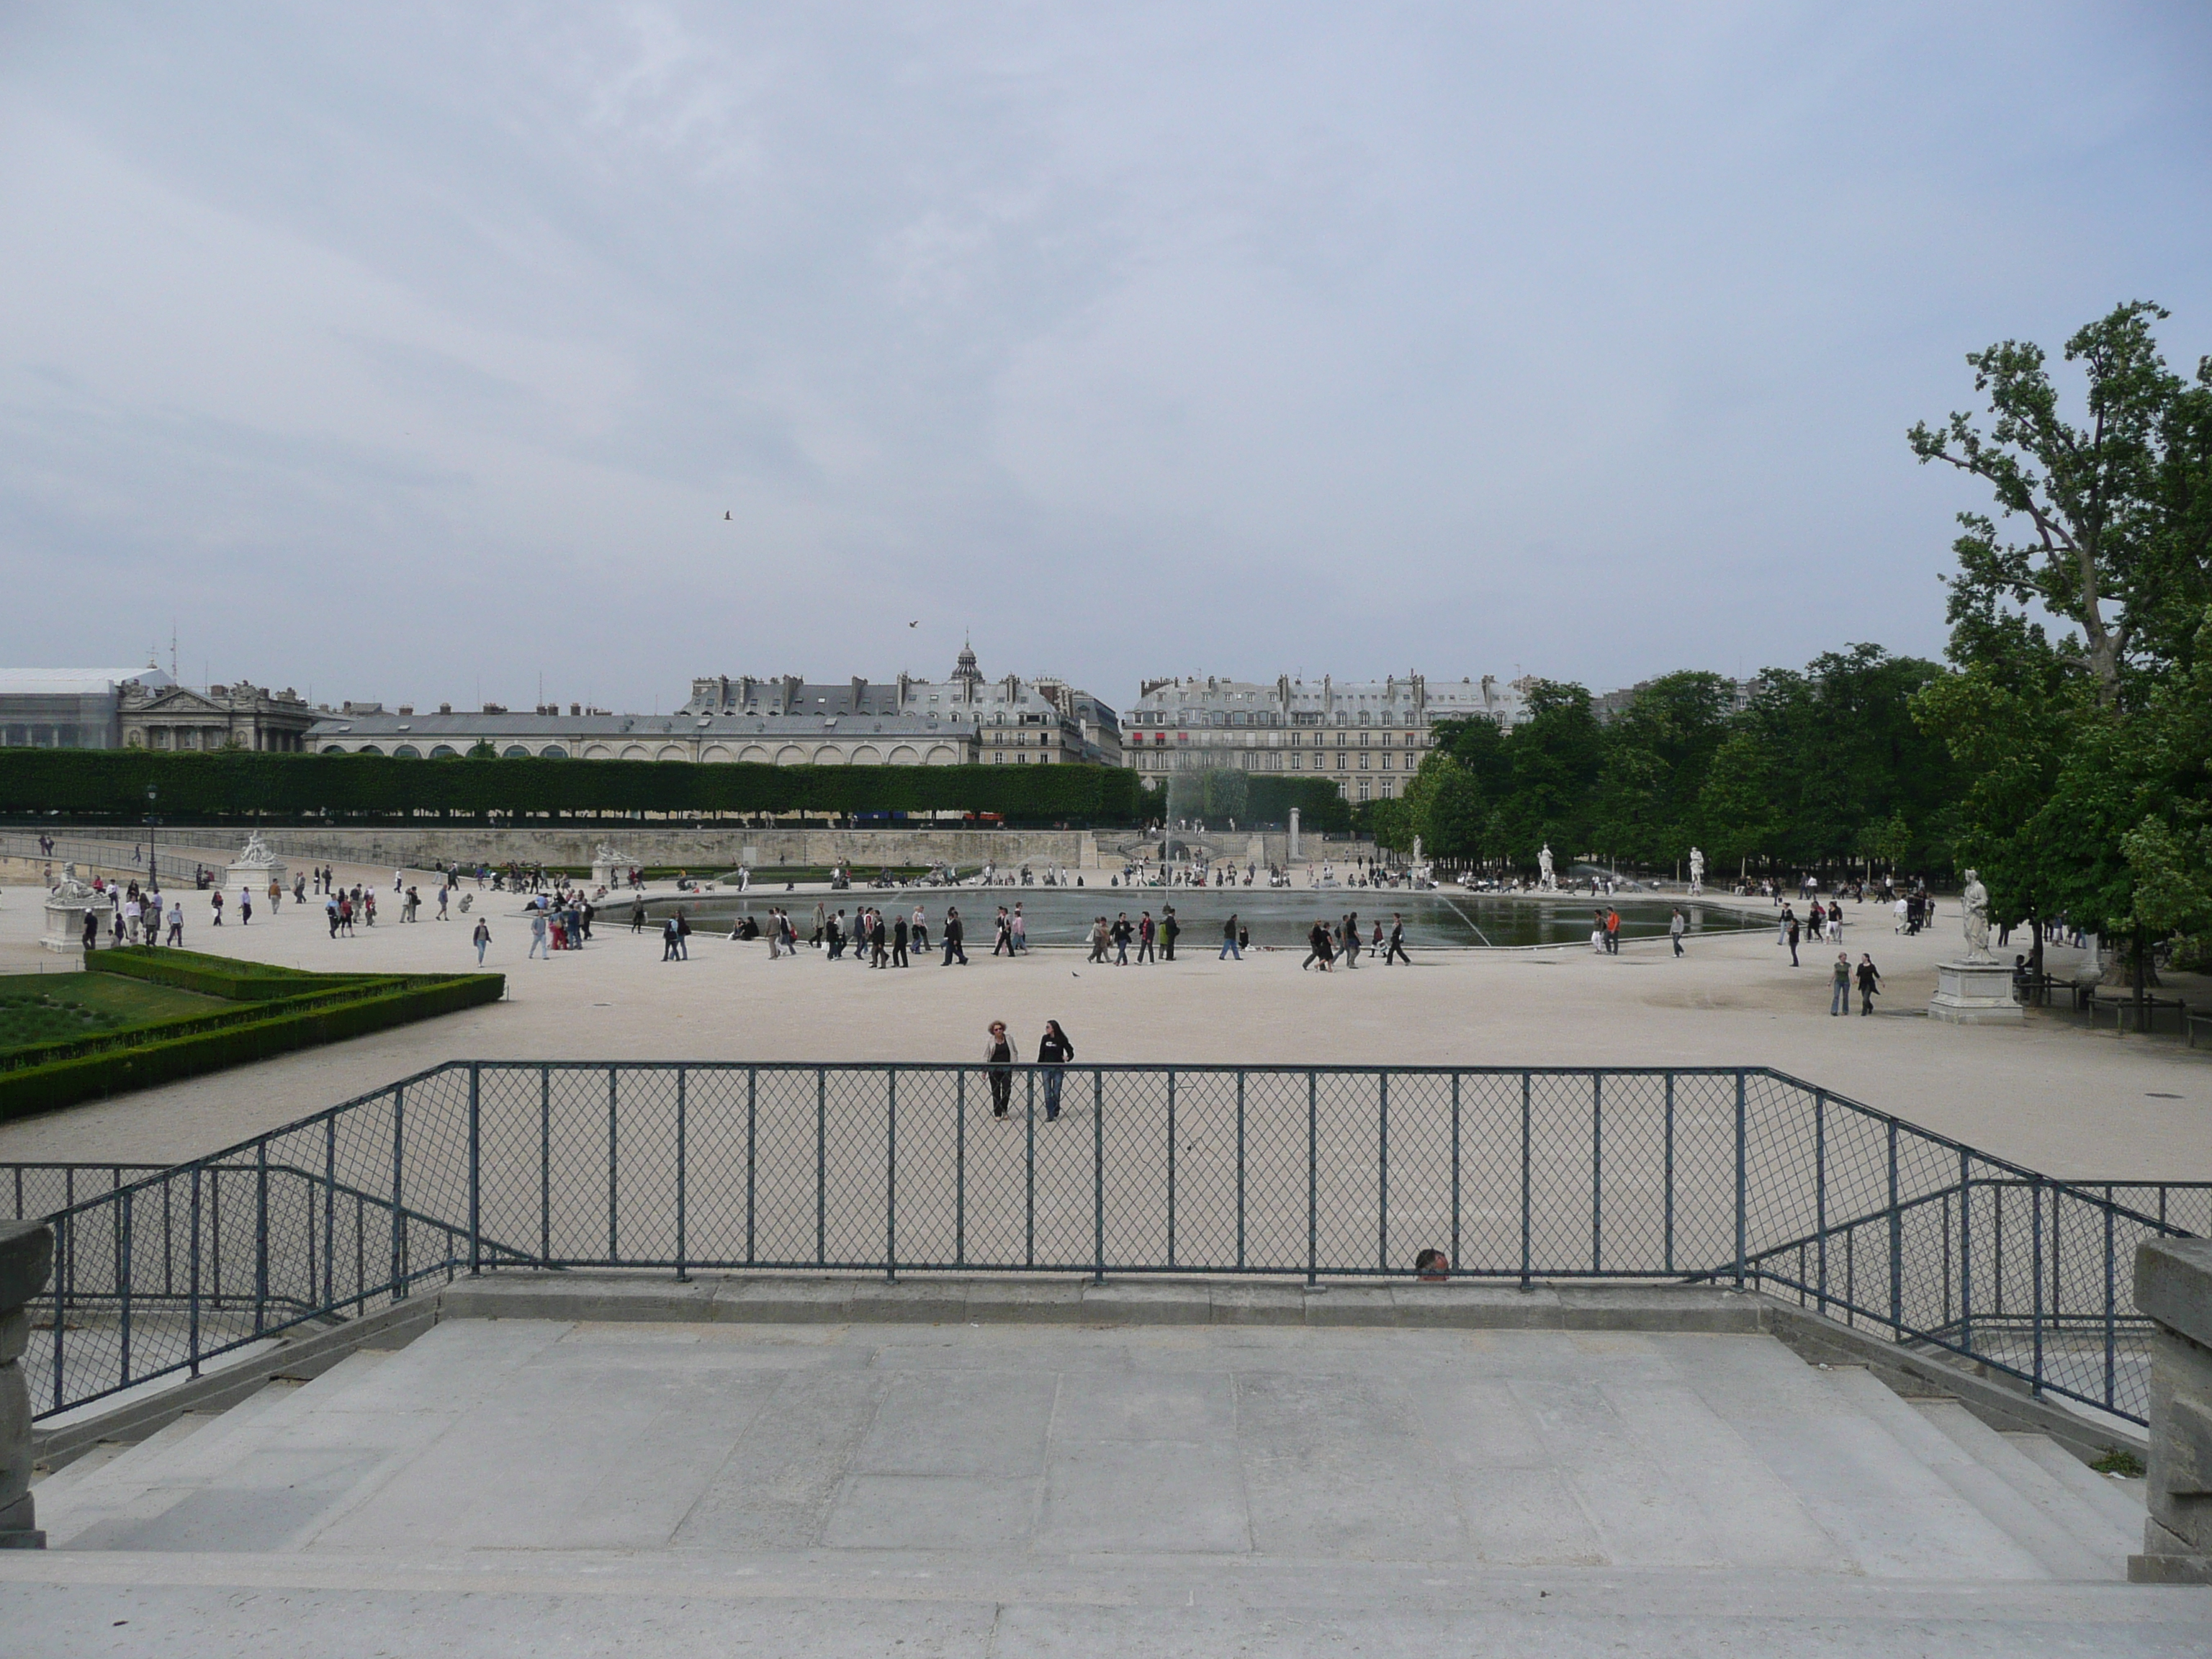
<point x="182" y="1048"/>
<point x="214" y="976"/>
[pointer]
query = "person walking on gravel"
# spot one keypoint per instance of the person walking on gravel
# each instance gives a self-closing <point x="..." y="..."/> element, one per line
<point x="1054" y="1053"/>
<point x="1870" y="983"/>
<point x="998" y="1056"/>
<point x="1397" y="950"/>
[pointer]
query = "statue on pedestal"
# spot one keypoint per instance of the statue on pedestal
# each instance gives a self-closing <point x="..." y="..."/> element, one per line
<point x="255" y="856"/>
<point x="1545" y="880"/>
<point x="1975" y="902"/>
<point x="67" y="906"/>
<point x="1697" y="869"/>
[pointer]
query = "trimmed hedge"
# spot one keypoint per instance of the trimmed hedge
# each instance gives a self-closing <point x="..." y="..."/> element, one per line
<point x="111" y="783"/>
<point x="124" y="1037"/>
<point x="219" y="976"/>
<point x="236" y="1038"/>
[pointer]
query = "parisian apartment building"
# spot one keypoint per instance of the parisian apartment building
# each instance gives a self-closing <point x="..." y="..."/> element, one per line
<point x="1367" y="737"/>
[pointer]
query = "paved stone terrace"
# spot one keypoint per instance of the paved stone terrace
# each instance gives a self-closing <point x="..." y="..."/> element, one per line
<point x="526" y="1485"/>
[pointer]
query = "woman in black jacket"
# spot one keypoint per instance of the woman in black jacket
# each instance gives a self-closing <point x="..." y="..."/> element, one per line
<point x="998" y="1056"/>
<point x="1054" y="1053"/>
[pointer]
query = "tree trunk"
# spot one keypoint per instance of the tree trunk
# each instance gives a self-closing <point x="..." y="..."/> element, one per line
<point x="2142" y="967"/>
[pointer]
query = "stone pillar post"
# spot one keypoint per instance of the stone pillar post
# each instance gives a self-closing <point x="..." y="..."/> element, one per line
<point x="2174" y="1286"/>
<point x="26" y="1257"/>
<point x="1295" y="854"/>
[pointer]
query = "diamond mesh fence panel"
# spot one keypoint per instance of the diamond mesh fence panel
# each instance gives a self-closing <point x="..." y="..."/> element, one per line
<point x="1340" y="1171"/>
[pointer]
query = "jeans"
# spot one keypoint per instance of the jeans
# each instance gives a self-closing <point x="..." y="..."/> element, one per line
<point x="1052" y="1082"/>
<point x="480" y="950"/>
<point x="1229" y="949"/>
<point x="1840" y="1003"/>
<point x="1678" y="944"/>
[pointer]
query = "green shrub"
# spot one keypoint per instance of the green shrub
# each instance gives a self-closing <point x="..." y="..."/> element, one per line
<point x="248" y="1036"/>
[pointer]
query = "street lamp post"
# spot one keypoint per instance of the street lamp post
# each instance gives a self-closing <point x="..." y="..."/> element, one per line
<point x="153" y="850"/>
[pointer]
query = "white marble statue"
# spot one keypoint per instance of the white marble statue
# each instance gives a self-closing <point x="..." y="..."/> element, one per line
<point x="257" y="856"/>
<point x="1697" y="869"/>
<point x="1974" y="901"/>
<point x="1545" y="880"/>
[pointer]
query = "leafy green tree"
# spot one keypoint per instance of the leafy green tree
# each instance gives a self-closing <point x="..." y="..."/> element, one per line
<point x="1736" y="813"/>
<point x="1388" y="823"/>
<point x="1846" y="754"/>
<point x="2008" y="717"/>
<point x="1455" y="826"/>
<point x="1555" y="756"/>
<point x="2084" y="747"/>
<point x="1657" y="752"/>
<point x="2104" y="549"/>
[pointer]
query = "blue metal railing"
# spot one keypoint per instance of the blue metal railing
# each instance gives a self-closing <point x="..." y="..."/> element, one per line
<point x="1741" y="1175"/>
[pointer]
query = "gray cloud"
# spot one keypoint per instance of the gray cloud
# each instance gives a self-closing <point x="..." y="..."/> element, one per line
<point x="401" y="350"/>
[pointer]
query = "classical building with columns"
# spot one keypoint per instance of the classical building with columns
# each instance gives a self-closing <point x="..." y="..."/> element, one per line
<point x="1367" y="737"/>
<point x="236" y="716"/>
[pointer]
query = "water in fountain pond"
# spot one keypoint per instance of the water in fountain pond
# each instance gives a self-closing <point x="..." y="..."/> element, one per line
<point x="1063" y="915"/>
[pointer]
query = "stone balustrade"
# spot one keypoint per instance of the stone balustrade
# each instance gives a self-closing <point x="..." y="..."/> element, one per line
<point x="27" y="1257"/>
<point x="2174" y="1286"/>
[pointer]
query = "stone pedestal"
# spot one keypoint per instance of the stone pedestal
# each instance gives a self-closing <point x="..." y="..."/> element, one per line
<point x="65" y="909"/>
<point x="2174" y="1286"/>
<point x="1975" y="994"/>
<point x="26" y="1257"/>
<point x="253" y="878"/>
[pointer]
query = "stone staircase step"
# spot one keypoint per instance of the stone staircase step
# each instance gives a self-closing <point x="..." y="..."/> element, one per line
<point x="155" y="1474"/>
<point x="78" y="1469"/>
<point x="2118" y="1500"/>
<point x="312" y="1606"/>
<point x="2051" y="1546"/>
<point x="236" y="1435"/>
<point x="255" y="1487"/>
<point x="1887" y="1516"/>
<point x="2085" y="1522"/>
<point x="65" y="1509"/>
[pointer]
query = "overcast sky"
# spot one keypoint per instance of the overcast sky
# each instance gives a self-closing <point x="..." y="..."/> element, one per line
<point x="414" y="352"/>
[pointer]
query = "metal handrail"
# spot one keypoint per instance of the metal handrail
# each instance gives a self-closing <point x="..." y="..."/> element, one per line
<point x="1520" y="1174"/>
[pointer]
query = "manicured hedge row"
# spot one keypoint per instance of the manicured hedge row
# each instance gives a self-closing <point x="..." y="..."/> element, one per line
<point x="218" y="976"/>
<point x="64" y="1082"/>
<point x="112" y="783"/>
<point x="236" y="1013"/>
